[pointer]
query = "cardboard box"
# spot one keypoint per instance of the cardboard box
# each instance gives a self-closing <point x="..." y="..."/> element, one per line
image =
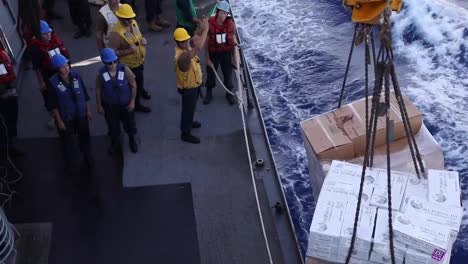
<point x="444" y="187"/>
<point x="353" y="119"/>
<point x="328" y="140"/>
<point x="430" y="238"/>
<point x="341" y="134"/>
<point x="343" y="179"/>
<point x="415" y="188"/>
<point x="312" y="260"/>
<point x="381" y="237"/>
<point x="364" y="230"/>
<point x="414" y="256"/>
<point x="384" y="258"/>
<point x="356" y="256"/>
<point x="398" y="184"/>
<point x="449" y="216"/>
<point x="325" y="229"/>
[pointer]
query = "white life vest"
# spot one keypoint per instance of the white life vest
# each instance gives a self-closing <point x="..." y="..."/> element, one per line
<point x="111" y="20"/>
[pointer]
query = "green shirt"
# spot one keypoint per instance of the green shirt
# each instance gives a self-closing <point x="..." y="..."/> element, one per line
<point x="187" y="8"/>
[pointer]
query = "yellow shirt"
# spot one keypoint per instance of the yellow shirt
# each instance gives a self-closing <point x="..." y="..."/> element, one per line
<point x="191" y="78"/>
<point x="132" y="37"/>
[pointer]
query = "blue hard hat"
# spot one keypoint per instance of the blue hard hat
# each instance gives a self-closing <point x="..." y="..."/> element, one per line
<point x="223" y="6"/>
<point x="45" y="27"/>
<point x="58" y="60"/>
<point x="108" y="55"/>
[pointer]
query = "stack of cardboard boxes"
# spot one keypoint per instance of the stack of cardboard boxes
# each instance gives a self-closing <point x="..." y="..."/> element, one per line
<point x="341" y="135"/>
<point x="426" y="216"/>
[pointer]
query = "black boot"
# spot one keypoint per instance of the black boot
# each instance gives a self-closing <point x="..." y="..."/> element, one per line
<point x="188" y="137"/>
<point x="142" y="108"/>
<point x="87" y="31"/>
<point x="14" y="151"/>
<point x="133" y="144"/>
<point x="78" y="34"/>
<point x="114" y="149"/>
<point x="89" y="161"/>
<point x="230" y="98"/>
<point x="209" y="96"/>
<point x="196" y="124"/>
<point x="145" y="95"/>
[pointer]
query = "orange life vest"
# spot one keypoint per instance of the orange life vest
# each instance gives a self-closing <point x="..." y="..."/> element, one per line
<point x="221" y="38"/>
<point x="48" y="49"/>
<point x="7" y="72"/>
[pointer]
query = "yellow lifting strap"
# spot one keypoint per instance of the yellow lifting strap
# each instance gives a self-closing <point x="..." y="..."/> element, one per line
<point x="369" y="11"/>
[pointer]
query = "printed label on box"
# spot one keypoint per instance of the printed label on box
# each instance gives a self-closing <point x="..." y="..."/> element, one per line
<point x="444" y="187"/>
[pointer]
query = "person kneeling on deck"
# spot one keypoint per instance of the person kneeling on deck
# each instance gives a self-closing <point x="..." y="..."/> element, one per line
<point x="130" y="46"/>
<point x="189" y="75"/>
<point x="219" y="50"/>
<point x="68" y="100"/>
<point x="115" y="98"/>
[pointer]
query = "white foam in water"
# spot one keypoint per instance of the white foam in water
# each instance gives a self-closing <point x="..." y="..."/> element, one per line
<point x="297" y="51"/>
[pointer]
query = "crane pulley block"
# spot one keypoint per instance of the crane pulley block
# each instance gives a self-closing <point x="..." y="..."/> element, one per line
<point x="369" y="11"/>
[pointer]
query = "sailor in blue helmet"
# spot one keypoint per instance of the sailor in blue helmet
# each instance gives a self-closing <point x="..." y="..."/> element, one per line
<point x="115" y="98"/>
<point x="68" y="100"/>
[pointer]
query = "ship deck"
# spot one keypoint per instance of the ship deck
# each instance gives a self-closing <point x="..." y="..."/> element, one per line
<point x="172" y="202"/>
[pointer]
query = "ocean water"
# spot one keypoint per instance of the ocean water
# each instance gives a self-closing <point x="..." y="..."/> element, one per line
<point x="297" y="52"/>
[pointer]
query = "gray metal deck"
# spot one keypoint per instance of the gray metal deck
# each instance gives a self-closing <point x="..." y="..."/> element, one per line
<point x="215" y="172"/>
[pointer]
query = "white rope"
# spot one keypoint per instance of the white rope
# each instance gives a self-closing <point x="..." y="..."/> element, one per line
<point x="220" y="81"/>
<point x="240" y="102"/>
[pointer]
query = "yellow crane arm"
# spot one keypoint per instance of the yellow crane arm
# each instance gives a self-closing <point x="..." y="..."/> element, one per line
<point x="369" y="11"/>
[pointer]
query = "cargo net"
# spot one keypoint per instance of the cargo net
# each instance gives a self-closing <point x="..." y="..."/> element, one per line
<point x="385" y="80"/>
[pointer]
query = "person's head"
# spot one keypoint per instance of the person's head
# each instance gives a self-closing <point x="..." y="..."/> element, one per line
<point x="222" y="11"/>
<point x="109" y="58"/>
<point x="182" y="38"/>
<point x="45" y="31"/>
<point x="113" y="2"/>
<point x="125" y="14"/>
<point x="60" y="63"/>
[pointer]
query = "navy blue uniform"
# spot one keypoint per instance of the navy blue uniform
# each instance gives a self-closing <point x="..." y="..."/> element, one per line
<point x="116" y="94"/>
<point x="70" y="100"/>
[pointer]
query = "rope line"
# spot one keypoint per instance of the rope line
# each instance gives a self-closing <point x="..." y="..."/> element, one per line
<point x="238" y="94"/>
<point x="385" y="77"/>
<point x="366" y="64"/>
<point x="347" y="66"/>
<point x="389" y="176"/>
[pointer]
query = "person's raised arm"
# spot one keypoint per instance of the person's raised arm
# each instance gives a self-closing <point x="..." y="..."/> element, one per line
<point x="198" y="40"/>
<point x="197" y="43"/>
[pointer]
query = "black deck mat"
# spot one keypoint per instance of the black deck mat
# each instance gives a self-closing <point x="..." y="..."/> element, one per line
<point x="134" y="225"/>
<point x="34" y="244"/>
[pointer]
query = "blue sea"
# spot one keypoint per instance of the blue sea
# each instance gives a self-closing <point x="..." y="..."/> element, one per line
<point x="297" y="52"/>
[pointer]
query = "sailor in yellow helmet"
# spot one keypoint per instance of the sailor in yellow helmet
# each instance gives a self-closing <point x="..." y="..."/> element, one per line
<point x="130" y="46"/>
<point x="189" y="75"/>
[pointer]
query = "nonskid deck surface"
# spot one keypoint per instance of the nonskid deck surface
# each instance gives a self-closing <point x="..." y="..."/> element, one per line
<point x="173" y="202"/>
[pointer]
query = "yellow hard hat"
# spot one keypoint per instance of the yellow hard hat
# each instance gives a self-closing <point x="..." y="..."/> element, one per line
<point x="180" y="34"/>
<point x="125" y="11"/>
